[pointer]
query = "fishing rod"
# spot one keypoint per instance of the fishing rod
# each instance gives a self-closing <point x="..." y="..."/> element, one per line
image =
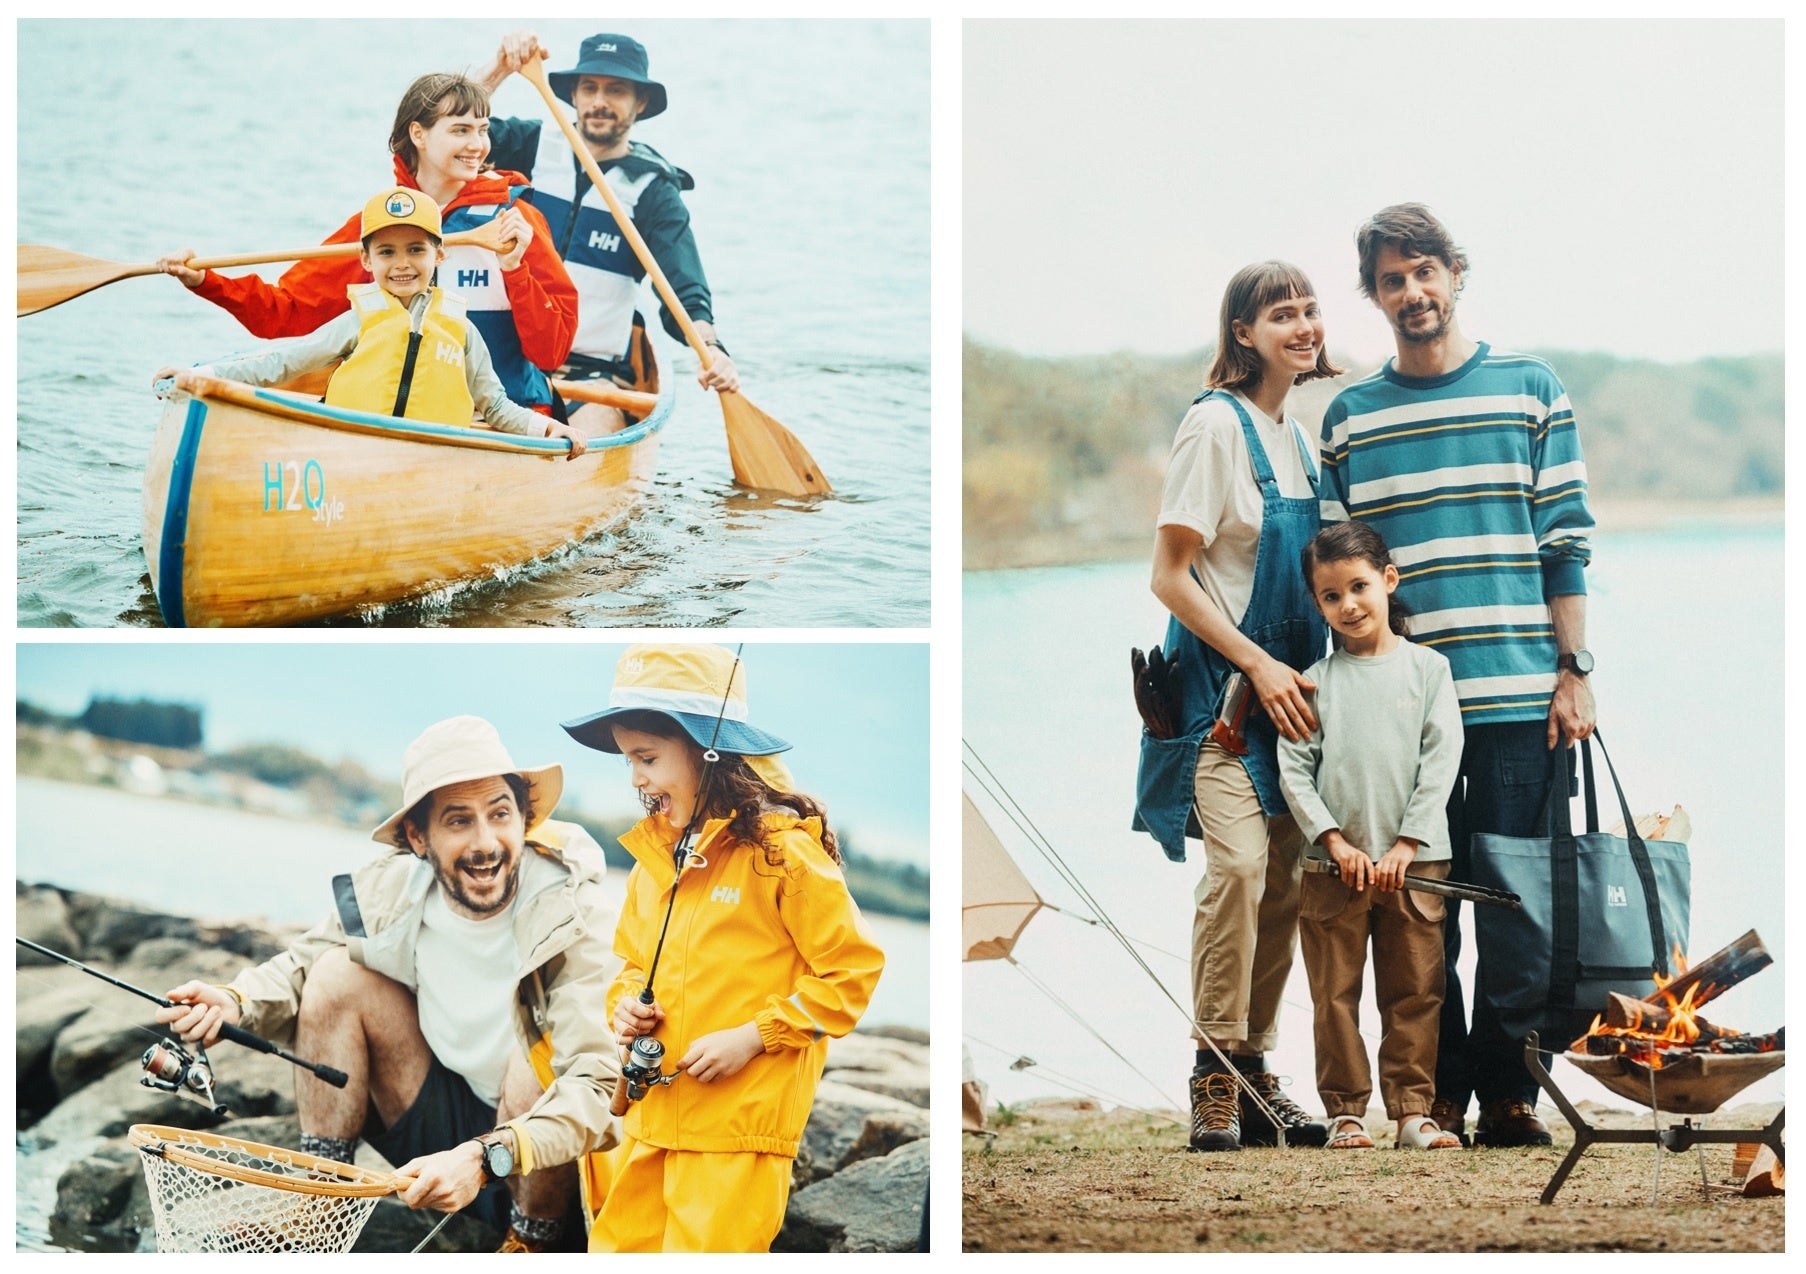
<point x="169" y="1065"/>
<point x="642" y="1062"/>
<point x="1424" y="885"/>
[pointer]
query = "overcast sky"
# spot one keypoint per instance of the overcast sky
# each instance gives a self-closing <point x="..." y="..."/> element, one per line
<point x="1617" y="185"/>
<point x="857" y="714"/>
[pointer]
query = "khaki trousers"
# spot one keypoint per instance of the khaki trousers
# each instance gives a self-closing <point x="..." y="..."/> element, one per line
<point x="1405" y="929"/>
<point x="1244" y="929"/>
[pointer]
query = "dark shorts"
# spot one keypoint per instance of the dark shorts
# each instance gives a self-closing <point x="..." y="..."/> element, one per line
<point x="445" y="1113"/>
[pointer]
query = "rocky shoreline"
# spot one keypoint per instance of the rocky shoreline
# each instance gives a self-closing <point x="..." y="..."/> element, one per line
<point x="858" y="1185"/>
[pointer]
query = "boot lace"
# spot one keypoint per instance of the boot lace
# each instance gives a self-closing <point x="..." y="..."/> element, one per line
<point x="1289" y="1112"/>
<point x="1215" y="1105"/>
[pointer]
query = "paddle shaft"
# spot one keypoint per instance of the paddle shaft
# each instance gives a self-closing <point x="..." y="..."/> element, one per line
<point x="227" y="1031"/>
<point x="535" y="70"/>
<point x="483" y="236"/>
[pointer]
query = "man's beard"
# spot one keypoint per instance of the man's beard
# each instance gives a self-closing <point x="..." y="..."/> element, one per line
<point x="608" y="132"/>
<point x="453" y="885"/>
<point x="1424" y="335"/>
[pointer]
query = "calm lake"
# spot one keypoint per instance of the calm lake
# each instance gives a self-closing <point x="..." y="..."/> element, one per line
<point x="1686" y="625"/>
<point x="235" y="864"/>
<point x="809" y="144"/>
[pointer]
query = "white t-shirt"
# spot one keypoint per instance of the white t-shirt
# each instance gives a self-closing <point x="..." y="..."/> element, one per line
<point x="1210" y="488"/>
<point x="468" y="971"/>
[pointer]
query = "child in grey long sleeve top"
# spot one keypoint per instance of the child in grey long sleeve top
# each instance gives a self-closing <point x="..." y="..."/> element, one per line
<point x="1370" y="786"/>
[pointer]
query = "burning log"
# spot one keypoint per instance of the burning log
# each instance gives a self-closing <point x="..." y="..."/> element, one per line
<point x="1645" y="1045"/>
<point x="1627" y="1013"/>
<point x="1722" y="970"/>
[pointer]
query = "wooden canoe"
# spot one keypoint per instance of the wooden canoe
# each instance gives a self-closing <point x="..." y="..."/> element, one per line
<point x="263" y="506"/>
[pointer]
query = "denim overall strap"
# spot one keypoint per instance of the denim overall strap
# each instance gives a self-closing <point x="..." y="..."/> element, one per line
<point x="1281" y="619"/>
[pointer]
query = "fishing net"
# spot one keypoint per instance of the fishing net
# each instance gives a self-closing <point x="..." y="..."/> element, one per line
<point x="219" y="1194"/>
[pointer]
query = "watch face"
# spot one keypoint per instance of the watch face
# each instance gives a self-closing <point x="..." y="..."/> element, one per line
<point x="1583" y="661"/>
<point x="497" y="1159"/>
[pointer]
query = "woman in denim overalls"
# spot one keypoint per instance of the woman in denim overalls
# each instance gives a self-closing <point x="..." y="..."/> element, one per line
<point x="1240" y="503"/>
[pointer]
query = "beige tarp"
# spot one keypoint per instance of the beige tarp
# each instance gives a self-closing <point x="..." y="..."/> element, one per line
<point x="998" y="900"/>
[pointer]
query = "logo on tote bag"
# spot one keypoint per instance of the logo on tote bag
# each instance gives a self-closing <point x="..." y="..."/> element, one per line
<point x="1615" y="897"/>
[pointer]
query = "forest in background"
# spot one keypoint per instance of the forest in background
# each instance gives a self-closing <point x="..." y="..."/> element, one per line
<point x="1063" y="457"/>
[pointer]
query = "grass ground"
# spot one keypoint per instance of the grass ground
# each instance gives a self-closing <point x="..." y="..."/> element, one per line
<point x="1060" y="1179"/>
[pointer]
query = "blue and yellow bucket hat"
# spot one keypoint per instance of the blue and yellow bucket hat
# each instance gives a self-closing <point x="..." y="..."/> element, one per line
<point x="700" y="687"/>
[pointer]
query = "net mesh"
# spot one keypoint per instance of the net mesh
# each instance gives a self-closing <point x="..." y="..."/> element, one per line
<point x="197" y="1209"/>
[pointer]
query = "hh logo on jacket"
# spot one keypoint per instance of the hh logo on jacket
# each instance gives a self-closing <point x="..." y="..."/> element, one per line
<point x="722" y="893"/>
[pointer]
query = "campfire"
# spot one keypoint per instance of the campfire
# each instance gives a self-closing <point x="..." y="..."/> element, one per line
<point x="1658" y="1031"/>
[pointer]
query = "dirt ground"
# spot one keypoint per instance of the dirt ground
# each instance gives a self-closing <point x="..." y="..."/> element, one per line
<point x="1062" y="1178"/>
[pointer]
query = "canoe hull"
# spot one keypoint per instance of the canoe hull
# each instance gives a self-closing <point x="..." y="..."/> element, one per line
<point x="263" y="508"/>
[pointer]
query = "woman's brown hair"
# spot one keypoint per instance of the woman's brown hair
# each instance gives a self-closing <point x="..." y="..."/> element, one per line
<point x="428" y="100"/>
<point x="1252" y="290"/>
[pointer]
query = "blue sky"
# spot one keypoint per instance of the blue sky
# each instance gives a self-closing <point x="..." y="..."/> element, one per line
<point x="857" y="713"/>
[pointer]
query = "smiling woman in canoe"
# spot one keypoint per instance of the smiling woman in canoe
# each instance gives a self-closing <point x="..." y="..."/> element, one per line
<point x="522" y="301"/>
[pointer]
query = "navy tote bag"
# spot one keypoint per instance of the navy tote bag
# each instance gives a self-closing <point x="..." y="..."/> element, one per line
<point x="1600" y="913"/>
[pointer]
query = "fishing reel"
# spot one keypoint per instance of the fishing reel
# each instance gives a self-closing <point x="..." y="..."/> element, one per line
<point x="171" y="1068"/>
<point x="643" y="1067"/>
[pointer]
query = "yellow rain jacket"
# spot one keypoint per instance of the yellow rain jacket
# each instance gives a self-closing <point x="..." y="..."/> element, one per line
<point x="783" y="946"/>
<point x="390" y="350"/>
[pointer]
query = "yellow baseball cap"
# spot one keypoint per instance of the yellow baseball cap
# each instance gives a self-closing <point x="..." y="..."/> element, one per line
<point x="399" y="206"/>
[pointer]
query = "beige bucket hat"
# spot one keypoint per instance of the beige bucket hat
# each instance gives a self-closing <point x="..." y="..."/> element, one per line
<point x="457" y="750"/>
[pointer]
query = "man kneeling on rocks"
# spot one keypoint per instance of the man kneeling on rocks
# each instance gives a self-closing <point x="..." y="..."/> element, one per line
<point x="459" y="984"/>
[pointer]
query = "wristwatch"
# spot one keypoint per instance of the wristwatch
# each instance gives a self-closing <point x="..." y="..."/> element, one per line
<point x="498" y="1160"/>
<point x="1580" y="663"/>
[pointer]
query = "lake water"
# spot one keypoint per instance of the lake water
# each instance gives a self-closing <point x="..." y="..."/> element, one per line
<point x="1687" y="629"/>
<point x="809" y="143"/>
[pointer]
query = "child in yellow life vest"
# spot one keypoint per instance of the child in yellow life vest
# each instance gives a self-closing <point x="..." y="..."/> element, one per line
<point x="407" y="347"/>
<point x="738" y="924"/>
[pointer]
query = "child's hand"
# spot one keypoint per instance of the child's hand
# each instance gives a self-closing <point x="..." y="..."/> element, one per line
<point x="633" y="1018"/>
<point x="1389" y="872"/>
<point x="579" y="440"/>
<point x="176" y="263"/>
<point x="720" y="1054"/>
<point x="1357" y="868"/>
<point x="516" y="227"/>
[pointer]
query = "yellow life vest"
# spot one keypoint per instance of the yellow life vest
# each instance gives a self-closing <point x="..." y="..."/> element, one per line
<point x="395" y="371"/>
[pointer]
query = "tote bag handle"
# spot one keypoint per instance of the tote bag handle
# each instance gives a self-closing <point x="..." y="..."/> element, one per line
<point x="1565" y="965"/>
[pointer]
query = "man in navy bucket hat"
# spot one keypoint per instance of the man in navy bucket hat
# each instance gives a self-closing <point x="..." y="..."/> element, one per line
<point x="611" y="90"/>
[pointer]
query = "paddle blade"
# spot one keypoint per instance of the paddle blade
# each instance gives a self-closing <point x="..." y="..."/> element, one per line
<point x="767" y="455"/>
<point x="49" y="276"/>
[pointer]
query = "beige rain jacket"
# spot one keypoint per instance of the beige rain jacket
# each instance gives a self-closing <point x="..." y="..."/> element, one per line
<point x="564" y="933"/>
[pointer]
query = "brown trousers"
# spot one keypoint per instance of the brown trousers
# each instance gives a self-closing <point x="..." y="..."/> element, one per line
<point x="1335" y="925"/>
<point x="1244" y="930"/>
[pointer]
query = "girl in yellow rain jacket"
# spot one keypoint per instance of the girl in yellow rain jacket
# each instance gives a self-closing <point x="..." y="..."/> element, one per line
<point x="738" y="916"/>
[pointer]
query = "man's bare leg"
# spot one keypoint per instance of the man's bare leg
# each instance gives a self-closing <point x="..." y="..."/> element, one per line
<point x="368" y="1026"/>
<point x="544" y="1193"/>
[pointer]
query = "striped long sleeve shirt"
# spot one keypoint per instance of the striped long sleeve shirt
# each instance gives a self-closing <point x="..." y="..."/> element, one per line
<point x="1476" y="480"/>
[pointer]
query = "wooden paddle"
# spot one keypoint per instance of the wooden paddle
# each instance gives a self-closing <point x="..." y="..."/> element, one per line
<point x="608" y="394"/>
<point x="763" y="452"/>
<point x="50" y="276"/>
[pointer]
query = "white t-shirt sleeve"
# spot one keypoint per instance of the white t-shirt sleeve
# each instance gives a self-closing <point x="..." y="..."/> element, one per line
<point x="1198" y="473"/>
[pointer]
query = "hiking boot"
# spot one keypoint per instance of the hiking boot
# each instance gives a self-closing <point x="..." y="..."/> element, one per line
<point x="1258" y="1130"/>
<point x="1510" y="1122"/>
<point x="1216" y="1118"/>
<point x="1447" y="1118"/>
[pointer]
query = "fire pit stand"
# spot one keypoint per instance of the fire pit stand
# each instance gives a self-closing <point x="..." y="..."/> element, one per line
<point x="1678" y="1137"/>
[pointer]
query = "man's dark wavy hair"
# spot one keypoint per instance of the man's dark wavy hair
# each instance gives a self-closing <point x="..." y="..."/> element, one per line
<point x="1414" y="230"/>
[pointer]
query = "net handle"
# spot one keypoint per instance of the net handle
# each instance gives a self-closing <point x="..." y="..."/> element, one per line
<point x="176" y="1146"/>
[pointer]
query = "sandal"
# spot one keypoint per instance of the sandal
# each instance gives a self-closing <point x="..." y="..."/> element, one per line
<point x="1347" y="1132"/>
<point x="1420" y="1132"/>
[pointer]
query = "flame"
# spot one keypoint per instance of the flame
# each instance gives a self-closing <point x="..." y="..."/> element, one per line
<point x="1681" y="1030"/>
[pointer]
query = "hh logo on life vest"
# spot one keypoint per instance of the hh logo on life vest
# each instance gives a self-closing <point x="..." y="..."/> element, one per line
<point x="446" y="352"/>
<point x="604" y="242"/>
<point x="722" y="893"/>
<point x="1615" y="896"/>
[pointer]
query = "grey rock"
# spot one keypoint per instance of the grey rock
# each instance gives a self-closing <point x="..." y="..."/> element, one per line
<point x="881" y="1064"/>
<point x="874" y="1206"/>
<point x="41" y="915"/>
<point x="103" y="1201"/>
<point x="112" y="1104"/>
<point x="848" y="1124"/>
